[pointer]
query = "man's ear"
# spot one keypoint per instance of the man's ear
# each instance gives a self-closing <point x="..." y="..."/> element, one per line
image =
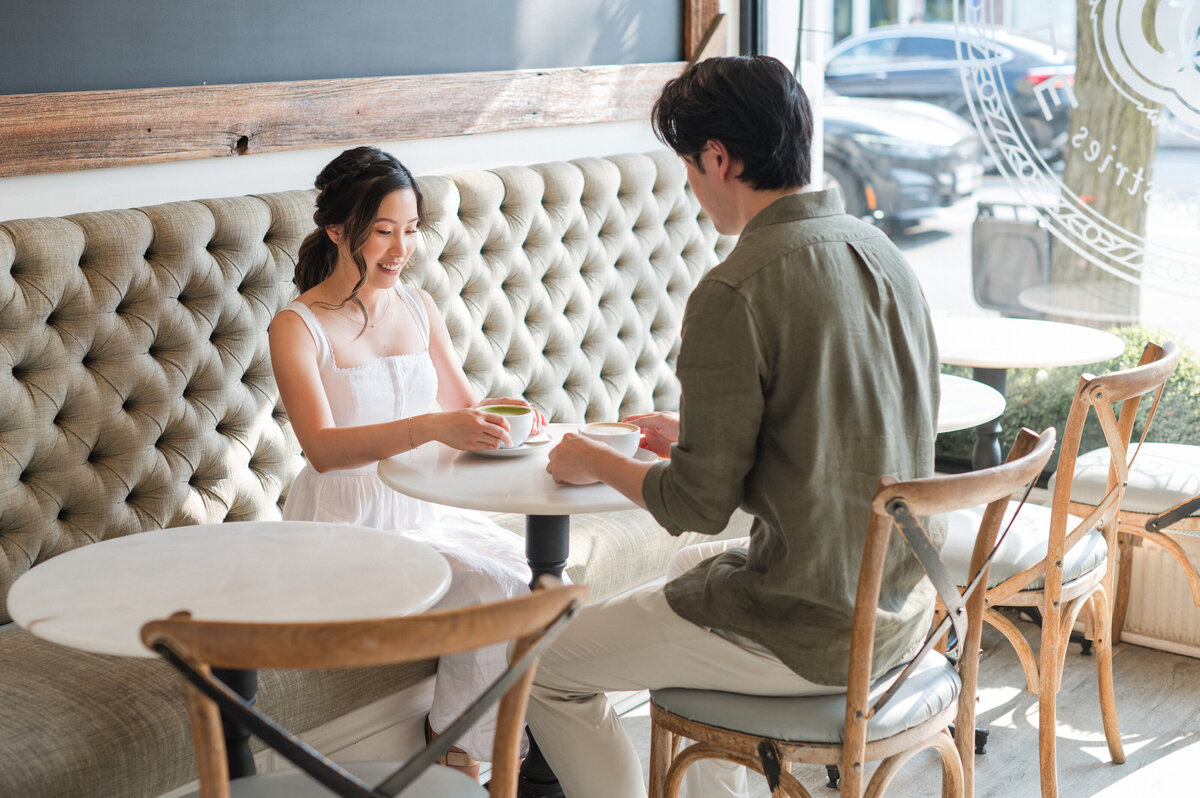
<point x="723" y="161"/>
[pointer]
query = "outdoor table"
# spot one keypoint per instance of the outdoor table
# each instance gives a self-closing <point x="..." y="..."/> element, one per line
<point x="992" y="345"/>
<point x="1079" y="301"/>
<point x="98" y="597"/>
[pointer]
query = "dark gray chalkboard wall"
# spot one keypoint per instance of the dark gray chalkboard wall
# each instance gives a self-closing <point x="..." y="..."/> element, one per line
<point x="82" y="45"/>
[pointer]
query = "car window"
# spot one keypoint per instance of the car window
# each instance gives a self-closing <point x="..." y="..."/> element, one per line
<point x="926" y="48"/>
<point x="869" y="53"/>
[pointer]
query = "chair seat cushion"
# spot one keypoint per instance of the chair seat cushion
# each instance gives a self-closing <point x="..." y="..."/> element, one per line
<point x="932" y="688"/>
<point x="435" y="782"/>
<point x="1163" y="475"/>
<point x="1023" y="547"/>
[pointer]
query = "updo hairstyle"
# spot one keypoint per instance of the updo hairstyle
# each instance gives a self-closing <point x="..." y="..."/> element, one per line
<point x="351" y="187"/>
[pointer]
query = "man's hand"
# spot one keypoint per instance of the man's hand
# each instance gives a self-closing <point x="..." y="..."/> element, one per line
<point x="661" y="430"/>
<point x="572" y="461"/>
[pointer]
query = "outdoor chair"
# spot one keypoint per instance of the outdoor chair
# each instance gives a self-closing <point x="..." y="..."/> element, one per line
<point x="889" y="718"/>
<point x="1056" y="564"/>
<point x="195" y="647"/>
<point x="1163" y="493"/>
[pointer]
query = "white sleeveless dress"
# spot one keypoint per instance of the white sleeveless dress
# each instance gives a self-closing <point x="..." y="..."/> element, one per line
<point x="487" y="562"/>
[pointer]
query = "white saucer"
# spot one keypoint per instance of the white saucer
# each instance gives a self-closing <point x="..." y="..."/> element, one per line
<point x="646" y="456"/>
<point x="530" y="446"/>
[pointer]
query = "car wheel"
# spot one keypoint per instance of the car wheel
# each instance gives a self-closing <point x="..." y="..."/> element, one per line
<point x="848" y="185"/>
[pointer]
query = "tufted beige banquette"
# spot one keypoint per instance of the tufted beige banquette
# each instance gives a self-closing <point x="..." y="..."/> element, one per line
<point x="136" y="393"/>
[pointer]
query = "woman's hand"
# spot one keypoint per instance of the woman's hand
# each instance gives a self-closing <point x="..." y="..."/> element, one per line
<point x="471" y="429"/>
<point x="661" y="430"/>
<point x="539" y="418"/>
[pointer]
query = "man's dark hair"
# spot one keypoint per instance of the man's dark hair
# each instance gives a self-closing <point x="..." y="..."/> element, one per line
<point x="753" y="106"/>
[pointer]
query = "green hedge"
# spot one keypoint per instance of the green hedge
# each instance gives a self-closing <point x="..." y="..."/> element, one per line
<point x="1041" y="398"/>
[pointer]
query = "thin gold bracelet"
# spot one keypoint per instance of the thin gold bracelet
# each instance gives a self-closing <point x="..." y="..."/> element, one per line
<point x="411" y="444"/>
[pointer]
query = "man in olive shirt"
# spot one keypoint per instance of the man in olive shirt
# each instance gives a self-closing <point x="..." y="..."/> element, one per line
<point x="808" y="371"/>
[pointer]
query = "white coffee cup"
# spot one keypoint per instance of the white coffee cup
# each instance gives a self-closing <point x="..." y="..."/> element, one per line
<point x="623" y="437"/>
<point x="519" y="418"/>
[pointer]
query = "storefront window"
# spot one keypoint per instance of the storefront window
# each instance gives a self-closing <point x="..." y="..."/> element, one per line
<point x="1085" y="205"/>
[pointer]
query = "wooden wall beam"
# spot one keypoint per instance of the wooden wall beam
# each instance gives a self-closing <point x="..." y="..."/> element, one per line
<point x="69" y="131"/>
<point x="86" y="130"/>
<point x="698" y="17"/>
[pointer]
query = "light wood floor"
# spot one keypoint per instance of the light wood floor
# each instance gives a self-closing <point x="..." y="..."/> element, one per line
<point x="1158" y="703"/>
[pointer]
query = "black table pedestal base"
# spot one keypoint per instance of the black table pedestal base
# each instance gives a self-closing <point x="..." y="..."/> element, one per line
<point x="537" y="780"/>
<point x="547" y="542"/>
<point x="237" y="739"/>
<point x="987" y="436"/>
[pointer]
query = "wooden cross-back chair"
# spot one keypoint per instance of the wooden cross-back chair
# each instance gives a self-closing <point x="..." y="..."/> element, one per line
<point x="195" y="647"/>
<point x="1057" y="564"/>
<point x="892" y="717"/>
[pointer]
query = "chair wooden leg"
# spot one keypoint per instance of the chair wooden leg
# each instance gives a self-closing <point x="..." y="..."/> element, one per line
<point x="1029" y="662"/>
<point x="952" y="774"/>
<point x="1051" y="655"/>
<point x="1125" y="543"/>
<point x="1047" y="753"/>
<point x="1104" y="677"/>
<point x="955" y="781"/>
<point x="662" y="749"/>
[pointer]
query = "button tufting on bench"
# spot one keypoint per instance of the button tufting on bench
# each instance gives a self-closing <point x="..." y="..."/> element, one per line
<point x="153" y="404"/>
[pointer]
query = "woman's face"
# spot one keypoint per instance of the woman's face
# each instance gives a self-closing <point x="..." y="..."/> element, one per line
<point x="391" y="240"/>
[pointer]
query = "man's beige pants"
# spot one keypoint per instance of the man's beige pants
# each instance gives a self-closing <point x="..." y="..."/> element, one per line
<point x="635" y="641"/>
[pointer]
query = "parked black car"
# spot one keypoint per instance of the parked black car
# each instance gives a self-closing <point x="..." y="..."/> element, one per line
<point x="921" y="62"/>
<point x="898" y="161"/>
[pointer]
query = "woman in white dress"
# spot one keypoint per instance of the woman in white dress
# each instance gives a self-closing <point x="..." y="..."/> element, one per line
<point x="360" y="360"/>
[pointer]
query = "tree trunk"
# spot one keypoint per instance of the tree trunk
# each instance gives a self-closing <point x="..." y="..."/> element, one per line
<point x="1109" y="157"/>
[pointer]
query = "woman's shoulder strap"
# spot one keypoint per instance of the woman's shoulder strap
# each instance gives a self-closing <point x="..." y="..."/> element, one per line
<point x="416" y="306"/>
<point x="314" y="327"/>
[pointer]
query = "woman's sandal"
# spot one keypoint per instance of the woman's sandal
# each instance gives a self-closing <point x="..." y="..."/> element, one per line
<point x="457" y="759"/>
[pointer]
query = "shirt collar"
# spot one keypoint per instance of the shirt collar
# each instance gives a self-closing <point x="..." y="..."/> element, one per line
<point x="794" y="207"/>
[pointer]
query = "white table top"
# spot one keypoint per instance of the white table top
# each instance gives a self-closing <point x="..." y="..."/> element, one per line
<point x="440" y="474"/>
<point x="1085" y="301"/>
<point x="1001" y="343"/>
<point x="98" y="597"/>
<point x="967" y="403"/>
<point x="520" y="484"/>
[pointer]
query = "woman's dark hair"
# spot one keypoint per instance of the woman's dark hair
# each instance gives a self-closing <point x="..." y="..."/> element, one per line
<point x="350" y="190"/>
<point x="751" y="104"/>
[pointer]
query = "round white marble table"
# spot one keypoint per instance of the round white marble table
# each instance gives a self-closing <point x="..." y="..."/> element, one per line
<point x="515" y="483"/>
<point x="966" y="403"/>
<point x="991" y="345"/>
<point x="1081" y="301"/>
<point x="508" y="484"/>
<point x="98" y="597"/>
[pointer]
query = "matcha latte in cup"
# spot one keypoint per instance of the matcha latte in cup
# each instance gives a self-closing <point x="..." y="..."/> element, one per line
<point x="625" y="438"/>
<point x="519" y="418"/>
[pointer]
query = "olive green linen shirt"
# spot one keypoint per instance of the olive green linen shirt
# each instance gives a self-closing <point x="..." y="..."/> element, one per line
<point x="808" y="371"/>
